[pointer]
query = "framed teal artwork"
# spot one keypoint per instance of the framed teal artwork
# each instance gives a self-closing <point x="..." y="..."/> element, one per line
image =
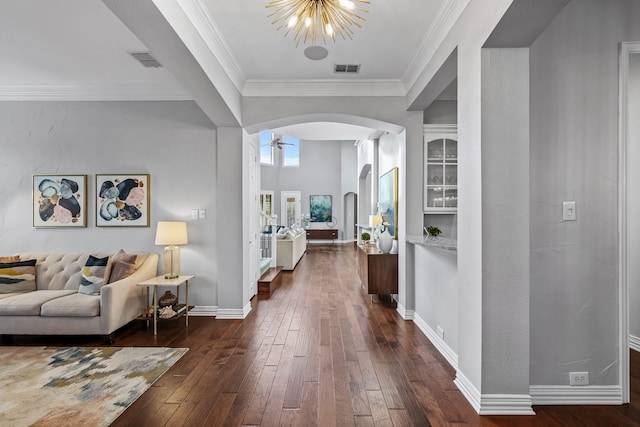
<point x="320" y="208"/>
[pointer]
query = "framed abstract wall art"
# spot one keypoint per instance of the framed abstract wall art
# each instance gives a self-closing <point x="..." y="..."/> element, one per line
<point x="388" y="198"/>
<point x="59" y="201"/>
<point x="320" y="208"/>
<point x="122" y="200"/>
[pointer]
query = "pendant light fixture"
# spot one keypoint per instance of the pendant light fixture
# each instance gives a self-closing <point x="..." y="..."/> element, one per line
<point x="317" y="20"/>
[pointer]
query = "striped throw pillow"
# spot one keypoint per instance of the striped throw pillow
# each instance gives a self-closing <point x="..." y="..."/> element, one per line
<point x="94" y="274"/>
<point x="18" y="276"/>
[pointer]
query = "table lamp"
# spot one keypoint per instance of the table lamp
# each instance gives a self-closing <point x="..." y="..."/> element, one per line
<point x="171" y="234"/>
<point x="374" y="220"/>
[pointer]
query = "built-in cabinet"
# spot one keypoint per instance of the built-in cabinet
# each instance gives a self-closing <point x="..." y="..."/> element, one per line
<point x="440" y="169"/>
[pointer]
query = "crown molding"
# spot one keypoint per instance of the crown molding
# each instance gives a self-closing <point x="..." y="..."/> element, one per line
<point x="124" y="92"/>
<point x="198" y="13"/>
<point x="446" y="17"/>
<point x="309" y="87"/>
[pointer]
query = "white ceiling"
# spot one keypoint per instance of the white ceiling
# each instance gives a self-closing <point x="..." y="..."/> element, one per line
<point x="385" y="46"/>
<point x="80" y="45"/>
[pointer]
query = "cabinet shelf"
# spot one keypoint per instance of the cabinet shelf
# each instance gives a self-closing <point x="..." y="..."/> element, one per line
<point x="440" y="181"/>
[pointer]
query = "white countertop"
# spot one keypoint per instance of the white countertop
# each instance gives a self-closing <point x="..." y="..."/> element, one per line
<point x="442" y="244"/>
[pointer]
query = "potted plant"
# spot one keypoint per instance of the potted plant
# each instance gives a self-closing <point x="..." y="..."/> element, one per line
<point x="365" y="237"/>
<point x="433" y="231"/>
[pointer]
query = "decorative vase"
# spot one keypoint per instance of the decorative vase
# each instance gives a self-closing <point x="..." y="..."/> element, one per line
<point x="168" y="299"/>
<point x="385" y="241"/>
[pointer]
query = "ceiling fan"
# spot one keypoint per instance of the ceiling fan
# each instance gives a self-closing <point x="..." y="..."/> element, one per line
<point x="277" y="142"/>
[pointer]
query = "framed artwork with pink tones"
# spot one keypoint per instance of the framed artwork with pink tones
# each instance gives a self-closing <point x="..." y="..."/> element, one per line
<point x="122" y="200"/>
<point x="59" y="201"/>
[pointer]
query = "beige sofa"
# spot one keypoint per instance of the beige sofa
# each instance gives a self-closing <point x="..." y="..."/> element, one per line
<point x="56" y="307"/>
<point x="290" y="247"/>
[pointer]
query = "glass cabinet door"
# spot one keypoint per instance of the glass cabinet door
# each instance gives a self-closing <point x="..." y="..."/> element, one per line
<point x="440" y="174"/>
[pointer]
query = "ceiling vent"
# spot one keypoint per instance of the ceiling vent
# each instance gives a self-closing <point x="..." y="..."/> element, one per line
<point x="346" y="68"/>
<point x="146" y="59"/>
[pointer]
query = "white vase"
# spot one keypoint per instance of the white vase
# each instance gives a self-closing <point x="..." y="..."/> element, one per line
<point x="385" y="241"/>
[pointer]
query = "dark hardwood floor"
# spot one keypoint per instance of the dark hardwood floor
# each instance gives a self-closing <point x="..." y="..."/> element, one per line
<point x="317" y="351"/>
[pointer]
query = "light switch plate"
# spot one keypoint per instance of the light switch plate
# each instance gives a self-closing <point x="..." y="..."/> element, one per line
<point x="568" y="211"/>
<point x="202" y="214"/>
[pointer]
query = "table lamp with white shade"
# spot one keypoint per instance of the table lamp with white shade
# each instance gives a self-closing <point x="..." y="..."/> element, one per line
<point x="171" y="233"/>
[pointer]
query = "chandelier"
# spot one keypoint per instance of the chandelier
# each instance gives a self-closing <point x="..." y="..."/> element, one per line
<point x="315" y="20"/>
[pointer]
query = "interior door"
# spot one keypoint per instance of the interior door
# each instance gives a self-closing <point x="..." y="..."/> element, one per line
<point x="290" y="208"/>
<point x="254" y="216"/>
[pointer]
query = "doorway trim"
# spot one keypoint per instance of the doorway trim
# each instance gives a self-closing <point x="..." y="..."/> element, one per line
<point x="626" y="49"/>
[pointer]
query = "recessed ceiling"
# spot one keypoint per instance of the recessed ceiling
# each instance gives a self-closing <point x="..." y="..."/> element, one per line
<point x="385" y="46"/>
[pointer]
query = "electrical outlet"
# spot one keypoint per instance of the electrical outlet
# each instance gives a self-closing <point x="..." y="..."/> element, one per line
<point x="578" y="378"/>
<point x="202" y="214"/>
<point x="440" y="332"/>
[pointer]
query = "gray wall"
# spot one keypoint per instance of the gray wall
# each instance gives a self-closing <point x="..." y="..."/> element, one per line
<point x="634" y="197"/>
<point x="441" y="112"/>
<point x="574" y="119"/>
<point x="505" y="221"/>
<point x="323" y="166"/>
<point x="172" y="141"/>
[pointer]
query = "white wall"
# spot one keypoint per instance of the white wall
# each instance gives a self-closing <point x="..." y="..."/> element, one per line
<point x="634" y="199"/>
<point x="436" y="288"/>
<point x="172" y="141"/>
<point x="574" y="99"/>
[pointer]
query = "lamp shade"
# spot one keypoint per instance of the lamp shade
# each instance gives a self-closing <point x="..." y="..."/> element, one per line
<point x="374" y="220"/>
<point x="171" y="233"/>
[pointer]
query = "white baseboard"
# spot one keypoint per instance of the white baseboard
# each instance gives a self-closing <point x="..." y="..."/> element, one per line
<point x="576" y="395"/>
<point x="404" y="313"/>
<point x="204" y="310"/>
<point x="493" y="404"/>
<point x="234" y="313"/>
<point x="506" y="404"/>
<point x="438" y="342"/>
<point x="468" y="390"/>
<point x="634" y="343"/>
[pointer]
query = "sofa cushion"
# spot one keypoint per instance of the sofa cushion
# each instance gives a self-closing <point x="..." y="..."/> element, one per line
<point x="29" y="303"/>
<point x="94" y="275"/>
<point x="2" y="296"/>
<point x="17" y="276"/>
<point x="124" y="265"/>
<point x="74" y="305"/>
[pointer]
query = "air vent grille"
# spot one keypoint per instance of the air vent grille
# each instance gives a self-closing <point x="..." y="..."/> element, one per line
<point x="346" y="68"/>
<point x="146" y="59"/>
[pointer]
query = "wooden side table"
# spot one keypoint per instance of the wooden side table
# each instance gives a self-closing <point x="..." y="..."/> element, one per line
<point x="378" y="271"/>
<point x="161" y="281"/>
<point x="322" y="233"/>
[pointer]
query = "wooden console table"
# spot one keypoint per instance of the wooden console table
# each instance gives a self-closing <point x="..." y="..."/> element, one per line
<point x="378" y="271"/>
<point x="322" y="234"/>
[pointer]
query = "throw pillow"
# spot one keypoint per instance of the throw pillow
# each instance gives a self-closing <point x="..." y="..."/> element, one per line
<point x="18" y="276"/>
<point x="94" y="274"/>
<point x="12" y="258"/>
<point x="123" y="265"/>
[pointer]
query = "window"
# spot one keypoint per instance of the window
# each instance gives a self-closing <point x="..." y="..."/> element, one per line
<point x="266" y="150"/>
<point x="291" y="152"/>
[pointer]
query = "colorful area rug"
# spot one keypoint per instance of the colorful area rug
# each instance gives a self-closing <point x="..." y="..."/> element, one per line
<point x="75" y="386"/>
